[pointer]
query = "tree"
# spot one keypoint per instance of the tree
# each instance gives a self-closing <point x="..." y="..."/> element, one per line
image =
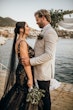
<point x="57" y="16"/>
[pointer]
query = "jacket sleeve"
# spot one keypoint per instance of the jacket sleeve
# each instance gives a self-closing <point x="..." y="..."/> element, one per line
<point x="50" y="45"/>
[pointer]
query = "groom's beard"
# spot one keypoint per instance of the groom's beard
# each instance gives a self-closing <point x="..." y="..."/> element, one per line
<point x="40" y="25"/>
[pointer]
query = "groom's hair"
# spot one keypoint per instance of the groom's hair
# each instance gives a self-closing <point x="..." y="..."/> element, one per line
<point x="45" y="13"/>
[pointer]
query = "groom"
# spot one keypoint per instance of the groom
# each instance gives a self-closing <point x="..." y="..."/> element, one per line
<point x="45" y="48"/>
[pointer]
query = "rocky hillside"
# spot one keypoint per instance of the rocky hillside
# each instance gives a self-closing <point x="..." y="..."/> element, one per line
<point x="7" y="22"/>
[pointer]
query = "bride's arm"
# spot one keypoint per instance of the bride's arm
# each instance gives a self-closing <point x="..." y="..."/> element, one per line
<point x="24" y="55"/>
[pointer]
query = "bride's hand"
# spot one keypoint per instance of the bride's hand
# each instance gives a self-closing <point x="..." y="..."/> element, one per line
<point x="30" y="83"/>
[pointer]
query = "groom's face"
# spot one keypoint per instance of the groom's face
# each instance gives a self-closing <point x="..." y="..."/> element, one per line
<point x="39" y="21"/>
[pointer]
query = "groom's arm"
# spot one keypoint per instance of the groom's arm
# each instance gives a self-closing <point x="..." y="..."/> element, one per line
<point x="50" y="45"/>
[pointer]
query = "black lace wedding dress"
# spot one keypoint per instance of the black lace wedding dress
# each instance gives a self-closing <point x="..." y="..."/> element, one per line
<point x="15" y="99"/>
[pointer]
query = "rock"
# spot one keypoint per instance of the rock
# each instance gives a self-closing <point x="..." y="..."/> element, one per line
<point x="34" y="33"/>
<point x="2" y="40"/>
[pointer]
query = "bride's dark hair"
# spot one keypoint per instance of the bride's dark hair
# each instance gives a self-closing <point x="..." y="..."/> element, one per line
<point x="12" y="64"/>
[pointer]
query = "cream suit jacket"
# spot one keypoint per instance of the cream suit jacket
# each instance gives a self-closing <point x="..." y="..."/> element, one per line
<point x="44" y="59"/>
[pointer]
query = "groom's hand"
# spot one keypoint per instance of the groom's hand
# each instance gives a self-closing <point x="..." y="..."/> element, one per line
<point x="25" y="61"/>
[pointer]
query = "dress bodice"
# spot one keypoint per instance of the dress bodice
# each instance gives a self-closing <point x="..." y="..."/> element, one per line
<point x="30" y="51"/>
<point x="21" y="77"/>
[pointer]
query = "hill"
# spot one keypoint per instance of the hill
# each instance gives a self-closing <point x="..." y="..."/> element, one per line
<point x="7" y="22"/>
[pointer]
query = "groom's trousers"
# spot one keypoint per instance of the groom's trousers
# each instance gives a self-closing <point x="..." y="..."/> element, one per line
<point x="46" y="100"/>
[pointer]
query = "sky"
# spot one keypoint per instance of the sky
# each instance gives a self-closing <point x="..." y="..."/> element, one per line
<point x="23" y="10"/>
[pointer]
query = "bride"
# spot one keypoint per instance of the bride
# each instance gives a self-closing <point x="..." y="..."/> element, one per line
<point x="14" y="97"/>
